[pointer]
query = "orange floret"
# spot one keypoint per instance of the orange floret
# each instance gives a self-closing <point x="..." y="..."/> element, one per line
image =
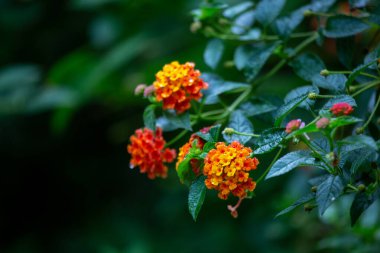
<point x="227" y="169"/>
<point x="147" y="152"/>
<point x="177" y="84"/>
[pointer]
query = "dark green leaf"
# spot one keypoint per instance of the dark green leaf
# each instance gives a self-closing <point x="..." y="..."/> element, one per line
<point x="268" y="10"/>
<point x="358" y="3"/>
<point x="256" y="60"/>
<point x="307" y="129"/>
<point x="257" y="107"/>
<point x="328" y="191"/>
<point x="208" y="11"/>
<point x="291" y="161"/>
<point x="372" y="57"/>
<point x="213" y="53"/>
<point x="212" y="135"/>
<point x="343" y="26"/>
<point x="287" y="108"/>
<point x="242" y="24"/>
<point x="178" y="121"/>
<point x="302" y="91"/>
<point x="357" y="71"/>
<point x="307" y="66"/>
<point x="338" y="99"/>
<point x="240" y="124"/>
<point x="296" y="204"/>
<point x="52" y="98"/>
<point x="361" y="202"/>
<point x="197" y="193"/>
<point x="362" y="139"/>
<point x="335" y="82"/>
<point x="208" y="146"/>
<point x="150" y="117"/>
<point x="269" y="140"/>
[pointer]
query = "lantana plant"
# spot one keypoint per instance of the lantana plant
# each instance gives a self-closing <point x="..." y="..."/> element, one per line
<point x="337" y="135"/>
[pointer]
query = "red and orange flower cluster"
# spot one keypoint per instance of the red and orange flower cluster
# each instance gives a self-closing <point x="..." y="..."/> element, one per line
<point x="227" y="170"/>
<point x="184" y="150"/>
<point x="342" y="108"/>
<point x="177" y="84"/>
<point x="147" y="152"/>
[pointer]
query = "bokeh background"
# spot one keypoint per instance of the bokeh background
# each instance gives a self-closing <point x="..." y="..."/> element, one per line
<point x="67" y="74"/>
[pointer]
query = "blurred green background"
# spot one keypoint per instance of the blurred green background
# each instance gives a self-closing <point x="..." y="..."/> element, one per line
<point x="67" y="74"/>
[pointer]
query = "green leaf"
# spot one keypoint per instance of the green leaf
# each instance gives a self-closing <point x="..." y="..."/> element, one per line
<point x="240" y="124"/>
<point x="208" y="11"/>
<point x="307" y="66"/>
<point x="256" y="60"/>
<point x="357" y="71"/>
<point x="197" y="194"/>
<point x="328" y="191"/>
<point x="338" y="99"/>
<point x="257" y="107"/>
<point x="296" y="204"/>
<point x="178" y="120"/>
<point x="269" y="140"/>
<point x="52" y="98"/>
<point x="268" y="10"/>
<point x="242" y="24"/>
<point x="288" y="108"/>
<point x="208" y="146"/>
<point x="372" y="57"/>
<point x="150" y="117"/>
<point x="291" y="161"/>
<point x="307" y="129"/>
<point x="213" y="53"/>
<point x="343" y="26"/>
<point x="302" y="91"/>
<point x="212" y="135"/>
<point x="343" y="121"/>
<point x="361" y="202"/>
<point x="335" y="83"/>
<point x="362" y="139"/>
<point x="358" y="3"/>
<point x="185" y="172"/>
<point x="233" y="11"/>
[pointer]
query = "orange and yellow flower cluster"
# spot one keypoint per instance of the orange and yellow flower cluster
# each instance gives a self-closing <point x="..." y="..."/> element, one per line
<point x="227" y="170"/>
<point x="184" y="150"/>
<point x="147" y="151"/>
<point x="177" y="84"/>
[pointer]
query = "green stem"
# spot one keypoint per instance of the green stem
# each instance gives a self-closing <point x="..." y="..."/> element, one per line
<point x="349" y="72"/>
<point x="269" y="167"/>
<point x="370" y="85"/>
<point x="307" y="142"/>
<point x="175" y="139"/>
<point x="373" y="113"/>
<point x="246" y="134"/>
<point x="324" y="96"/>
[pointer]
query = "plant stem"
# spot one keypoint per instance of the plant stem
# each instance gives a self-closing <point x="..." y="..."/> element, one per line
<point x="269" y="167"/>
<point x="372" y="114"/>
<point x="370" y="85"/>
<point x="175" y="139"/>
<point x="307" y="142"/>
<point x="246" y="134"/>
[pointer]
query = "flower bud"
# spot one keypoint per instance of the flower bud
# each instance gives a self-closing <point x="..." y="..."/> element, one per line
<point x="195" y="26"/>
<point x="359" y="130"/>
<point x="314" y="188"/>
<point x="324" y="72"/>
<point x="140" y="89"/>
<point x="322" y="123"/>
<point x="362" y="187"/>
<point x="312" y="96"/>
<point x="229" y="131"/>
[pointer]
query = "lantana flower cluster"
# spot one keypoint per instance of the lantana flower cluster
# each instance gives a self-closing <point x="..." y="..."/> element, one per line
<point x="227" y="169"/>
<point x="342" y="108"/>
<point x="147" y="152"/>
<point x="177" y="84"/>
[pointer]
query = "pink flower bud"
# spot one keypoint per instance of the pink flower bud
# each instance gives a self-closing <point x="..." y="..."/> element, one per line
<point x="148" y="91"/>
<point x="293" y="125"/>
<point x="323" y="123"/>
<point x="341" y="108"/>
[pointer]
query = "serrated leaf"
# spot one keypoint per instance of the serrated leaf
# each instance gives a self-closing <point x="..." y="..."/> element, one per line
<point x="288" y="108"/>
<point x="233" y="11"/>
<point x="197" y="194"/>
<point x="150" y="117"/>
<point x="338" y="99"/>
<point x="269" y="140"/>
<point x="212" y="134"/>
<point x="372" y="57"/>
<point x="307" y="66"/>
<point x="178" y="120"/>
<point x="296" y="204"/>
<point x="213" y="53"/>
<point x="334" y="82"/>
<point x="302" y="91"/>
<point x="343" y="121"/>
<point x="256" y="60"/>
<point x="268" y="10"/>
<point x="363" y="139"/>
<point x="328" y="191"/>
<point x="291" y="161"/>
<point x="240" y="124"/>
<point x="257" y="107"/>
<point x="362" y="155"/>
<point x="361" y="202"/>
<point x="343" y="26"/>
